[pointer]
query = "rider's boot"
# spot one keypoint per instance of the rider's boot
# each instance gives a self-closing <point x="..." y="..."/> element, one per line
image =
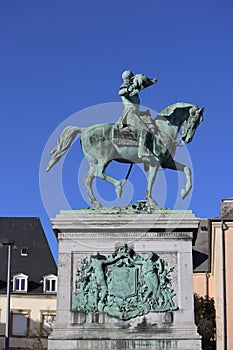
<point x="159" y="150"/>
<point x="143" y="152"/>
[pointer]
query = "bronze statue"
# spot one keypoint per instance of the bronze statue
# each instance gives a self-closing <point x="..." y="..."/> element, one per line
<point x="136" y="138"/>
<point x="132" y="116"/>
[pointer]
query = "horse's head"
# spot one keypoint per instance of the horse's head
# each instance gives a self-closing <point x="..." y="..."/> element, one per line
<point x="190" y="125"/>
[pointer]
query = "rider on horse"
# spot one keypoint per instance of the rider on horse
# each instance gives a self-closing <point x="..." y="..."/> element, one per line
<point x="132" y="116"/>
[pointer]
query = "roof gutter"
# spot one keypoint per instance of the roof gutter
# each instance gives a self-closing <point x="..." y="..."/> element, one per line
<point x="224" y="283"/>
<point x="223" y="221"/>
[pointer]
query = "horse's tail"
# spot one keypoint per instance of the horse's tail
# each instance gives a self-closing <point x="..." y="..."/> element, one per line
<point x="63" y="144"/>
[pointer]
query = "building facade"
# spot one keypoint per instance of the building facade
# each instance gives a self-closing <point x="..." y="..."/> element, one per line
<point x="213" y="276"/>
<point x="33" y="284"/>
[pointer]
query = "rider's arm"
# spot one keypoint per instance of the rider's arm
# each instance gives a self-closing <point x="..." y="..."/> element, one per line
<point x="128" y="90"/>
<point x="133" y="92"/>
<point x="123" y="91"/>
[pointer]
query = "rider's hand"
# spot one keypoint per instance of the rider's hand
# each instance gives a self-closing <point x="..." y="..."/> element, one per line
<point x="131" y="88"/>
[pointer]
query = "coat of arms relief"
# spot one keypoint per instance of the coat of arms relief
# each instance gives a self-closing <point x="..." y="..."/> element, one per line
<point x="124" y="284"/>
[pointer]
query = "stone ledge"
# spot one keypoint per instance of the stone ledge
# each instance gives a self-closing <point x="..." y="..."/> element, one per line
<point x="71" y="221"/>
<point x="121" y="344"/>
<point x="102" y="333"/>
<point x="124" y="235"/>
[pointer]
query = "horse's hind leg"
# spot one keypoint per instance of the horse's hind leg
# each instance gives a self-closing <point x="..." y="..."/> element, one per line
<point x="99" y="172"/>
<point x="172" y="164"/>
<point x="88" y="179"/>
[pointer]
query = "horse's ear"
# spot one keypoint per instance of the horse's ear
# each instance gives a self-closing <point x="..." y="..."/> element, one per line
<point x="201" y="110"/>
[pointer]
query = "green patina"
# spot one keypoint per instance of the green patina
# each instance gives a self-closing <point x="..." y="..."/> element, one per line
<point x="141" y="207"/>
<point x="123" y="285"/>
<point x="135" y="138"/>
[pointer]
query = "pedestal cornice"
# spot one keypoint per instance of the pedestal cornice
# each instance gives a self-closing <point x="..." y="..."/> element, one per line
<point x="74" y="222"/>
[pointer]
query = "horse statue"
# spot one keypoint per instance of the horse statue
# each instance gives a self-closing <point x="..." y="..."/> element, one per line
<point x="104" y="143"/>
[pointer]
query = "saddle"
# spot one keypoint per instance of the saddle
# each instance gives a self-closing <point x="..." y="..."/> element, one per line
<point x="129" y="136"/>
<point x="124" y="137"/>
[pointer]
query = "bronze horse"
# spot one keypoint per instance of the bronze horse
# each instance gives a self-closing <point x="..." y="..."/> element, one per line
<point x="101" y="146"/>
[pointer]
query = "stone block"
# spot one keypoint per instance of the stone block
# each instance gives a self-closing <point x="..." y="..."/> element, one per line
<point x="169" y="236"/>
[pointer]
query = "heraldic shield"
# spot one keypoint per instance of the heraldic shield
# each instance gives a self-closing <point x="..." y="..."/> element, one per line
<point x="123" y="285"/>
<point x="124" y="281"/>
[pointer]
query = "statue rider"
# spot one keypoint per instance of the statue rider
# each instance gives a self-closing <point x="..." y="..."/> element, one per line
<point x="131" y="117"/>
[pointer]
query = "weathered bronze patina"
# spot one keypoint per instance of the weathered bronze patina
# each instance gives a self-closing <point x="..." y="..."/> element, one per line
<point x="135" y="138"/>
<point x="124" y="284"/>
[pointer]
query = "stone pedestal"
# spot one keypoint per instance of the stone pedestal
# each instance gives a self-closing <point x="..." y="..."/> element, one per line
<point x="169" y="235"/>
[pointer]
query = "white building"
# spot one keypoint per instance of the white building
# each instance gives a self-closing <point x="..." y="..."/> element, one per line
<point x="33" y="284"/>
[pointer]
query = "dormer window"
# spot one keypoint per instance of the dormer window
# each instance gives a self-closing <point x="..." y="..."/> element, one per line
<point x="50" y="284"/>
<point x="24" y="251"/>
<point x="20" y="283"/>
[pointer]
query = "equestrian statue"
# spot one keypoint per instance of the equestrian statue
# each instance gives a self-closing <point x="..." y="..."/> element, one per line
<point x="135" y="138"/>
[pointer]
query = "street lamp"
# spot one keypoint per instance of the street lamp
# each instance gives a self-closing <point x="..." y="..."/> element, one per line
<point x="9" y="244"/>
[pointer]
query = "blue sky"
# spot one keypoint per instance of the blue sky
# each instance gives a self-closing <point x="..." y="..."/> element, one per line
<point x="60" y="57"/>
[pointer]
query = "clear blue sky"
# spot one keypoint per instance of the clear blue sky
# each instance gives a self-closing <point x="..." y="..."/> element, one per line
<point x="59" y="57"/>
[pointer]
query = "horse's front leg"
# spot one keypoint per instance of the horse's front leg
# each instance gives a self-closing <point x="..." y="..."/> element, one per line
<point x="150" y="182"/>
<point x="188" y="186"/>
<point x="172" y="164"/>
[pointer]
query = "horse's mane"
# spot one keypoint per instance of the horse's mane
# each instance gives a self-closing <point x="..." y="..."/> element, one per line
<point x="170" y="110"/>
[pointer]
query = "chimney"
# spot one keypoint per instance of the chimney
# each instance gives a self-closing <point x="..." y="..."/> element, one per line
<point x="226" y="208"/>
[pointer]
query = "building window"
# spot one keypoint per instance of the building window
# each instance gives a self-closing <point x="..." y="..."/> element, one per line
<point x="19" y="323"/>
<point x="20" y="283"/>
<point x="50" y="284"/>
<point x="48" y="319"/>
<point x="2" y="328"/>
<point x="24" y="251"/>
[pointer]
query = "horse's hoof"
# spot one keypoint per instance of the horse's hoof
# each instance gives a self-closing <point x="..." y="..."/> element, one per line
<point x="153" y="205"/>
<point x="97" y="205"/>
<point x="183" y="193"/>
<point x="118" y="190"/>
